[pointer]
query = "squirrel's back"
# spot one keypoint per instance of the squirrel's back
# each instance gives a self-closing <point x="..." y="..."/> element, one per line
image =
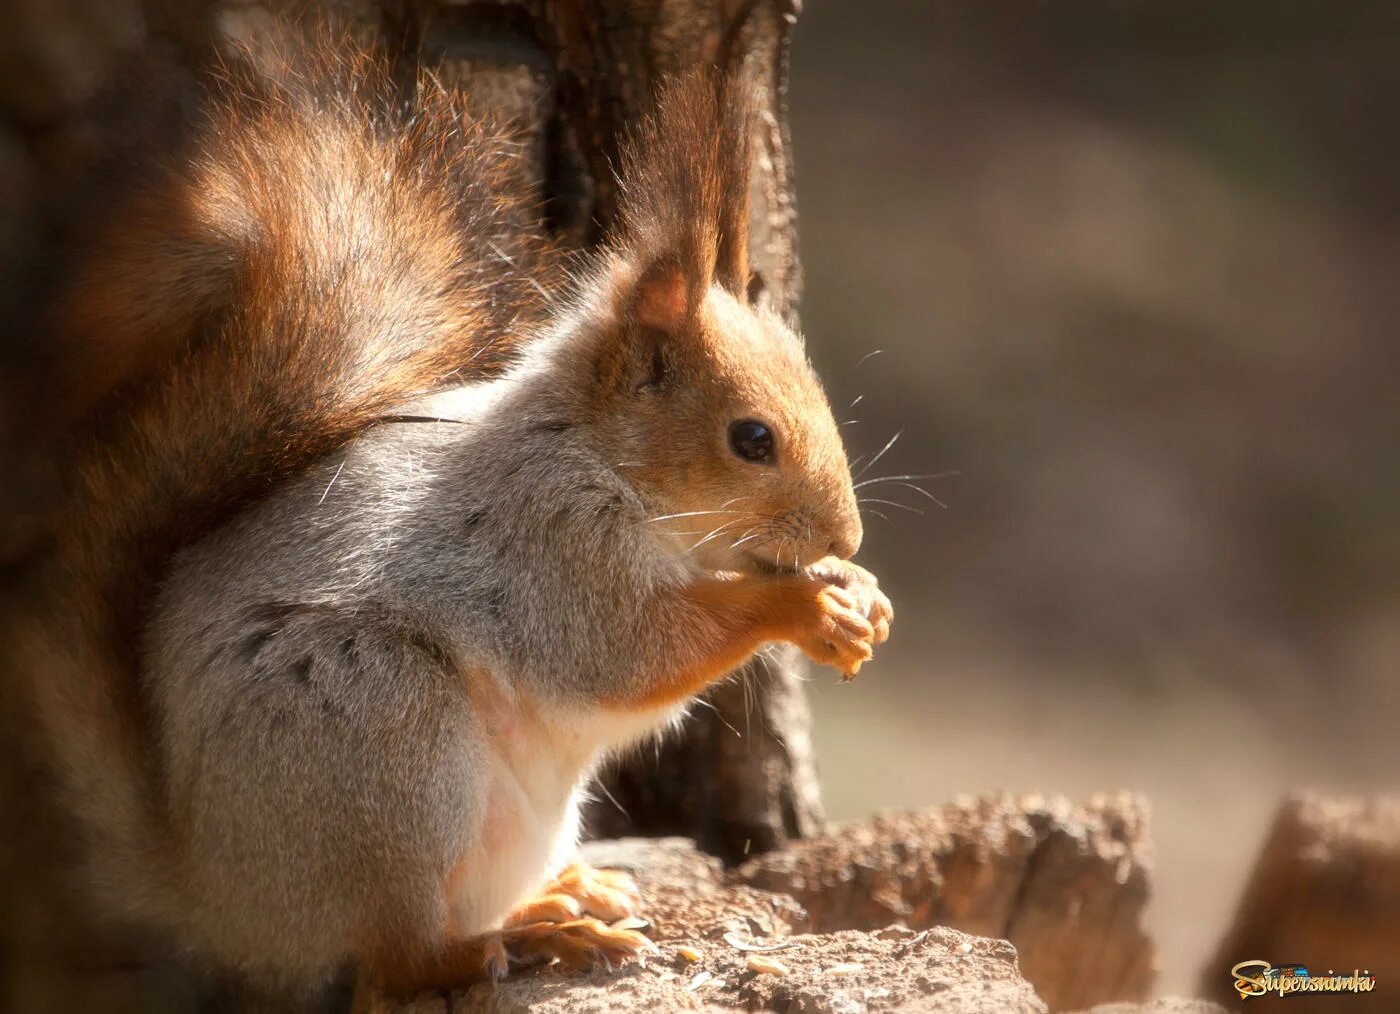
<point x="317" y="247"/>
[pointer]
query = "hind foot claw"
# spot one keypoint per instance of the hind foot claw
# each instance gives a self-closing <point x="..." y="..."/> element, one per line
<point x="580" y="890"/>
<point x="581" y="944"/>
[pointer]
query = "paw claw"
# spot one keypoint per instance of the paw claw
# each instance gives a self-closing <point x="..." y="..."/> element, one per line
<point x="495" y="959"/>
<point x="581" y="944"/>
<point x="568" y="921"/>
<point x="606" y="894"/>
<point x="853" y="616"/>
<point x="578" y="891"/>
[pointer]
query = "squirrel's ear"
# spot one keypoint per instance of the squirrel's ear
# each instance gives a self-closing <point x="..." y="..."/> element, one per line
<point x="656" y="306"/>
<point x="662" y="299"/>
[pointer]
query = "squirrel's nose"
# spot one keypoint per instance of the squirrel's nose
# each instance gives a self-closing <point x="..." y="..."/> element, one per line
<point x="844" y="546"/>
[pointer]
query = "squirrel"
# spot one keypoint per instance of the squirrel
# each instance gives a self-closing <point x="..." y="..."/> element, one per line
<point x="381" y="536"/>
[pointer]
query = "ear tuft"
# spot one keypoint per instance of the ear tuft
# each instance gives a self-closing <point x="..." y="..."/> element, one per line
<point x="661" y="300"/>
<point x="684" y="179"/>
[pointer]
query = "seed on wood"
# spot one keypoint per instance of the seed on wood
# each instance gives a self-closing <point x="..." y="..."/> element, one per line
<point x="764" y="965"/>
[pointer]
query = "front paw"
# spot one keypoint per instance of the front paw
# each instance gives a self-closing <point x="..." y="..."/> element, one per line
<point x="836" y="633"/>
<point x="871" y="602"/>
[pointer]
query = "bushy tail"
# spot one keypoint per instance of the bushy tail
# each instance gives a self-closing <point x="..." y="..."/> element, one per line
<point x="314" y="252"/>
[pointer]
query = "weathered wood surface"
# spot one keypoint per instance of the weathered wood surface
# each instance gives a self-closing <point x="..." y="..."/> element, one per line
<point x="920" y="903"/>
<point x="696" y="907"/>
<point x="1067" y="884"/>
<point x="1325" y="892"/>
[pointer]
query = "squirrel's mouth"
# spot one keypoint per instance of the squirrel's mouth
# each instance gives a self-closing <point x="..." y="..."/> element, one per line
<point x="781" y="559"/>
<point x="751" y="565"/>
<point x="761" y="565"/>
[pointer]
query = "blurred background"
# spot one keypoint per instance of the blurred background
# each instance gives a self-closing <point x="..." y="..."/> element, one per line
<point x="1130" y="271"/>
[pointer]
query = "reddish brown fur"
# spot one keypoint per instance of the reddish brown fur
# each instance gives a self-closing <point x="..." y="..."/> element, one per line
<point x="709" y="352"/>
<point x="313" y="255"/>
<point x="335" y="294"/>
<point x="731" y="619"/>
<point x="684" y="228"/>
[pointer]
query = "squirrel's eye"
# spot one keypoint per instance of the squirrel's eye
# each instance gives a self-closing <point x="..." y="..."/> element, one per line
<point x="752" y="441"/>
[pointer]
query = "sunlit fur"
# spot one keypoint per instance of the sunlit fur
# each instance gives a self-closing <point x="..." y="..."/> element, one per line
<point x="729" y="363"/>
<point x="307" y="251"/>
<point x="322" y="690"/>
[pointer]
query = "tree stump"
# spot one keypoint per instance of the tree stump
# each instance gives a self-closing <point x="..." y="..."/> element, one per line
<point x="726" y="946"/>
<point x="905" y="912"/>
<point x="1067" y="884"/>
<point x="1325" y="893"/>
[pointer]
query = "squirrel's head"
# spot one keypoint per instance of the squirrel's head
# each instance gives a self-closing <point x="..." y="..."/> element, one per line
<point x="707" y="404"/>
<point x="711" y="410"/>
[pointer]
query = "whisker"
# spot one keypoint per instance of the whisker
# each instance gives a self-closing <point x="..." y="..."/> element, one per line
<point x="747" y="538"/>
<point x="706" y="704"/>
<point x="893" y="480"/>
<point x="327" y="491"/>
<point x="744" y="674"/>
<point x="598" y="783"/>
<point x="721" y="509"/>
<point x="889" y="478"/>
<point x="708" y="538"/>
<point x="881" y="453"/>
<point x="868" y="355"/>
<point x="768" y="539"/>
<point x="856" y="402"/>
<point x="727" y="528"/>
<point x="691" y="514"/>
<point x="696" y="533"/>
<point x="890" y="503"/>
<point x="716" y="533"/>
<point x="878" y="514"/>
<point x="922" y="492"/>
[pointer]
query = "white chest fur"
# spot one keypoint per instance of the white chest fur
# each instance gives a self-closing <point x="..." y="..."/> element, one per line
<point x="538" y="770"/>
